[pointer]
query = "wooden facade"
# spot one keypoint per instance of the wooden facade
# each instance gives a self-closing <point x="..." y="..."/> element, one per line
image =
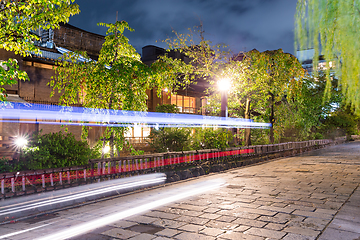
<point x="40" y="69"/>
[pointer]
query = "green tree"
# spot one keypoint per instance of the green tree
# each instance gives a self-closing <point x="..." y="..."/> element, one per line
<point x="269" y="77"/>
<point x="276" y="74"/>
<point x="331" y="27"/>
<point x="245" y="100"/>
<point x="206" y="61"/>
<point x="303" y="111"/>
<point x="18" y="22"/>
<point x="201" y="59"/>
<point x="118" y="80"/>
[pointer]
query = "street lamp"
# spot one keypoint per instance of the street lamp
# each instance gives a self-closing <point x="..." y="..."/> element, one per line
<point x="224" y="85"/>
<point x="20" y="142"/>
<point x="106" y="149"/>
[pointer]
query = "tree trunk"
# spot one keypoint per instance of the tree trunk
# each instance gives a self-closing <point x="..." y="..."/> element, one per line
<point x="111" y="143"/>
<point x="102" y="152"/>
<point x="272" y="118"/>
<point x="111" y="140"/>
<point x="247" y="130"/>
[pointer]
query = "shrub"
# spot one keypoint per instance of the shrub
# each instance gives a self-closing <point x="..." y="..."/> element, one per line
<point x="167" y="108"/>
<point x="340" y="123"/>
<point x="211" y="139"/>
<point x="4" y="165"/>
<point x="55" y="150"/>
<point x="170" y="139"/>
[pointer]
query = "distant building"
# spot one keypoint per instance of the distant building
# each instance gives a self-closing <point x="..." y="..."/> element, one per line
<point x="306" y="57"/>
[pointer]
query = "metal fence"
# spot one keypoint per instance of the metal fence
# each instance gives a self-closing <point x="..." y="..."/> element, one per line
<point x="29" y="182"/>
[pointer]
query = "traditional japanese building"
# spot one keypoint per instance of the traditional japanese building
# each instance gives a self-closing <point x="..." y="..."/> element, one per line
<point x="40" y="69"/>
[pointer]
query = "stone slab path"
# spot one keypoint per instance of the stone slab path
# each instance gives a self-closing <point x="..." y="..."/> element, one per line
<point x="312" y="196"/>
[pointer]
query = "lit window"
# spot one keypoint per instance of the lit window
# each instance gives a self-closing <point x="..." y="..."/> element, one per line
<point x="185" y="104"/>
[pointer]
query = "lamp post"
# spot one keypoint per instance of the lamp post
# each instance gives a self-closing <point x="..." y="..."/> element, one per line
<point x="224" y="85"/>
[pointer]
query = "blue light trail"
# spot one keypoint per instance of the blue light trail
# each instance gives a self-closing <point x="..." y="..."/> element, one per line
<point x="33" y="113"/>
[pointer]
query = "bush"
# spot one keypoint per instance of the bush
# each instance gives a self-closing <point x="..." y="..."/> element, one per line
<point x="340" y="123"/>
<point x="4" y="165"/>
<point x="211" y="139"/>
<point x="170" y="139"/>
<point x="56" y="150"/>
<point x="167" y="108"/>
<point x="318" y="136"/>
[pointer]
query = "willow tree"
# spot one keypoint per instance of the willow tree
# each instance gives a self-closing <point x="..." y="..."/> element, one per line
<point x="18" y="22"/>
<point x="118" y="80"/>
<point x="331" y="27"/>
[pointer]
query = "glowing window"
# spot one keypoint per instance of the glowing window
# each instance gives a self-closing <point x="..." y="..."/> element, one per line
<point x="184" y="103"/>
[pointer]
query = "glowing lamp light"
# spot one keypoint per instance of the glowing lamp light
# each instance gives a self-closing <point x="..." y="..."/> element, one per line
<point x="21" y="142"/>
<point x="224" y="84"/>
<point x="106" y="149"/>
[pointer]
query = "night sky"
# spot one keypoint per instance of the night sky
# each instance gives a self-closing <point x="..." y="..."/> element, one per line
<point x="241" y="24"/>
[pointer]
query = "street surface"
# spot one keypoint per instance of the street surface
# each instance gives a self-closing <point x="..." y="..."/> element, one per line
<point x="312" y="196"/>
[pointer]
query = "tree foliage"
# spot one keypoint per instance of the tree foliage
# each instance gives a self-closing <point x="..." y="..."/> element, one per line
<point x="331" y="27"/>
<point x="118" y="80"/>
<point x="201" y="59"/>
<point x="276" y="75"/>
<point x="301" y="114"/>
<point x="18" y="21"/>
<point x="270" y="77"/>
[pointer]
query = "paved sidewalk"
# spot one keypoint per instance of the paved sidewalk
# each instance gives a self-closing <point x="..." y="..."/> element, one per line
<point x="312" y="196"/>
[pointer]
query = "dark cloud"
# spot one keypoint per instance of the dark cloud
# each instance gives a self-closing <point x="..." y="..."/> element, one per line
<point x="241" y="24"/>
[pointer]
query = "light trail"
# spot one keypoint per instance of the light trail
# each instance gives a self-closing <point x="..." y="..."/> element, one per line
<point x="124" y="125"/>
<point x="105" y="117"/>
<point x="23" y="231"/>
<point x="182" y="193"/>
<point x="145" y="180"/>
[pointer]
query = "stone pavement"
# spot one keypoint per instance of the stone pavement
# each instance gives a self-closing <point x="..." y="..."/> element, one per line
<point x="312" y="196"/>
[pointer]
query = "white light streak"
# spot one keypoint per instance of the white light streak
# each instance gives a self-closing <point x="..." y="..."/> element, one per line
<point x="91" y="225"/>
<point x="153" y="179"/>
<point x="22" y="231"/>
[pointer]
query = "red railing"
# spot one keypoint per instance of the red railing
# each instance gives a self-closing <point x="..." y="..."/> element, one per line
<point x="27" y="182"/>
